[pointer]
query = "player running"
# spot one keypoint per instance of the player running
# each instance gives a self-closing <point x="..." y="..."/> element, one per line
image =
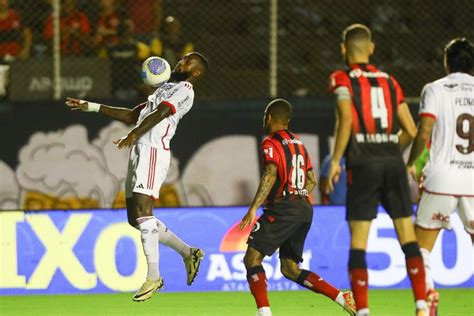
<point x="371" y="111"/>
<point x="156" y="121"/>
<point x="447" y="118"/>
<point x="287" y="181"/>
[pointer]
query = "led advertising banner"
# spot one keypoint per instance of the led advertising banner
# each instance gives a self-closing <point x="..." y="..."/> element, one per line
<point x="97" y="251"/>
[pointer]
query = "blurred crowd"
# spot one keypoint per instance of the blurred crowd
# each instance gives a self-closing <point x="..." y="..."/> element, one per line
<point x="124" y="31"/>
<point x="234" y="35"/>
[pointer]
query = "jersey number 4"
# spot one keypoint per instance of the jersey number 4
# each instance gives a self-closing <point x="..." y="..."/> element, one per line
<point x="379" y="109"/>
<point x="297" y="172"/>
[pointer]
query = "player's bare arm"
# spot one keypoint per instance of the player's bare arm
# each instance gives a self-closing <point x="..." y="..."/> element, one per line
<point x="343" y="135"/>
<point x="155" y="117"/>
<point x="128" y="116"/>
<point x="421" y="139"/>
<point x="404" y="140"/>
<point x="266" y="184"/>
<point x="406" y="120"/>
<point x="311" y="181"/>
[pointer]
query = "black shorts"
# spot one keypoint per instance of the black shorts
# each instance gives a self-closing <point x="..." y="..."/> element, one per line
<point x="269" y="234"/>
<point x="374" y="183"/>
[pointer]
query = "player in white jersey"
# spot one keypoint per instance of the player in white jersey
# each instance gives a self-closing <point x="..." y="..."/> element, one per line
<point x="447" y="119"/>
<point x="155" y="124"/>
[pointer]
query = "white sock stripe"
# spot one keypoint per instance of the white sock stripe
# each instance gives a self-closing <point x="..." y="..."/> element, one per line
<point x="141" y="220"/>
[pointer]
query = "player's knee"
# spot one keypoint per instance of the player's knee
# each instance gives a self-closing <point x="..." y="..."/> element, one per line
<point x="290" y="271"/>
<point x="249" y="260"/>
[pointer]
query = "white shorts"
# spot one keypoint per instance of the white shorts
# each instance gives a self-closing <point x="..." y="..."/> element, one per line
<point x="147" y="169"/>
<point x="434" y="211"/>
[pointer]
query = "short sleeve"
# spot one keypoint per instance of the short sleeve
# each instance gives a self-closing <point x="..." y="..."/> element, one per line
<point x="339" y="79"/>
<point x="270" y="152"/>
<point x="400" y="97"/>
<point x="428" y="102"/>
<point x="180" y="98"/>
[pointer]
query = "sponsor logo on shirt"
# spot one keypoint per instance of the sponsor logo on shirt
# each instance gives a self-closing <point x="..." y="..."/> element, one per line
<point x="356" y="73"/>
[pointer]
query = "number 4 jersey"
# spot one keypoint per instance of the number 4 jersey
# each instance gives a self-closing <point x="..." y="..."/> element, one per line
<point x="450" y="101"/>
<point x="375" y="97"/>
<point x="288" y="198"/>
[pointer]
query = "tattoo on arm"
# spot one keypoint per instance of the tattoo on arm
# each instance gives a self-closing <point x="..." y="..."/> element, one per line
<point x="311" y="181"/>
<point x="266" y="184"/>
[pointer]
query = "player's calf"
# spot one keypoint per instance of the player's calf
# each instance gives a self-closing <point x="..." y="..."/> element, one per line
<point x="416" y="273"/>
<point x="359" y="280"/>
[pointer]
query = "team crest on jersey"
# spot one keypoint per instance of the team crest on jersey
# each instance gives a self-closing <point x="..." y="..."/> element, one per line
<point x="451" y="86"/>
<point x="256" y="227"/>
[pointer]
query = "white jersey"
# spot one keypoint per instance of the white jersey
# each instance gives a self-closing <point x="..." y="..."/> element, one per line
<point x="179" y="96"/>
<point x="450" y="169"/>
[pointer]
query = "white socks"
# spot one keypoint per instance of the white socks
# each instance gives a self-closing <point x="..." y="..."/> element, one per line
<point x="264" y="311"/>
<point x="340" y="299"/>
<point x="150" y="240"/>
<point x="168" y="238"/>
<point x="427" y="262"/>
<point x="363" y="312"/>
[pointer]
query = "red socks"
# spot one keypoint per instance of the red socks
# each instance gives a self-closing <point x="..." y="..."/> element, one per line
<point x="359" y="278"/>
<point x="258" y="285"/>
<point x="415" y="270"/>
<point x="315" y="283"/>
<point x="360" y="287"/>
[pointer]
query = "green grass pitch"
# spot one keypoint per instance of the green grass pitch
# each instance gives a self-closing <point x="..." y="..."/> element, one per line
<point x="456" y="302"/>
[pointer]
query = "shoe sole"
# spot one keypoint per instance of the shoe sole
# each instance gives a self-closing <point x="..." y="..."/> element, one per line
<point x="198" y="265"/>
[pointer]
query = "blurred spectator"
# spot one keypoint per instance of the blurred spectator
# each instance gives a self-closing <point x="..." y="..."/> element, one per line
<point x="75" y="30"/>
<point x="171" y="44"/>
<point x="145" y="15"/>
<point x="126" y="59"/>
<point x="15" y="37"/>
<point x="338" y="196"/>
<point x="34" y="14"/>
<point x="106" y="30"/>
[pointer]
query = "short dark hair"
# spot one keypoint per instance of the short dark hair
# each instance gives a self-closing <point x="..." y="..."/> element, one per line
<point x="202" y="59"/>
<point x="459" y="55"/>
<point x="356" y="32"/>
<point x="280" y="109"/>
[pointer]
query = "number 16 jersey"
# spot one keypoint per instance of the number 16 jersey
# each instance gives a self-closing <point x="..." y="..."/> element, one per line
<point x="450" y="101"/>
<point x="289" y="198"/>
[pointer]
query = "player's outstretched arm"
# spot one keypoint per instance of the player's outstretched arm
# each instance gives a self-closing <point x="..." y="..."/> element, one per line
<point x="155" y="117"/>
<point x="266" y="184"/>
<point x="128" y="116"/>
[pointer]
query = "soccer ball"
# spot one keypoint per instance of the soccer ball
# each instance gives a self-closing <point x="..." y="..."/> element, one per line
<point x="155" y="71"/>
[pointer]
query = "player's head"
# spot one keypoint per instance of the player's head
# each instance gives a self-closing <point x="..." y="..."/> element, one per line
<point x="357" y="45"/>
<point x="191" y="67"/>
<point x="277" y="115"/>
<point x="459" y="56"/>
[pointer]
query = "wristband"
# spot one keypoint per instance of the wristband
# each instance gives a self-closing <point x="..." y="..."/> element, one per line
<point x="92" y="106"/>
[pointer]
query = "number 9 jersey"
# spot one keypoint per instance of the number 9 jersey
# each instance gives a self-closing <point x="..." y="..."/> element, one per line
<point x="450" y="101"/>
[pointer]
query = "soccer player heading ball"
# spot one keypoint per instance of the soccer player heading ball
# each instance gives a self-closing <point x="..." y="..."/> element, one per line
<point x="155" y="124"/>
<point x="287" y="181"/>
<point x="373" y="122"/>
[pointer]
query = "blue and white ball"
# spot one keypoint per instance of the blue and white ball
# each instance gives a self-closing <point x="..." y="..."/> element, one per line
<point x="155" y="71"/>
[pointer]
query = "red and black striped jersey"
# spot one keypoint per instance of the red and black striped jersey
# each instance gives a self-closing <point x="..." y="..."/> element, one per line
<point x="375" y="99"/>
<point x="288" y="196"/>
